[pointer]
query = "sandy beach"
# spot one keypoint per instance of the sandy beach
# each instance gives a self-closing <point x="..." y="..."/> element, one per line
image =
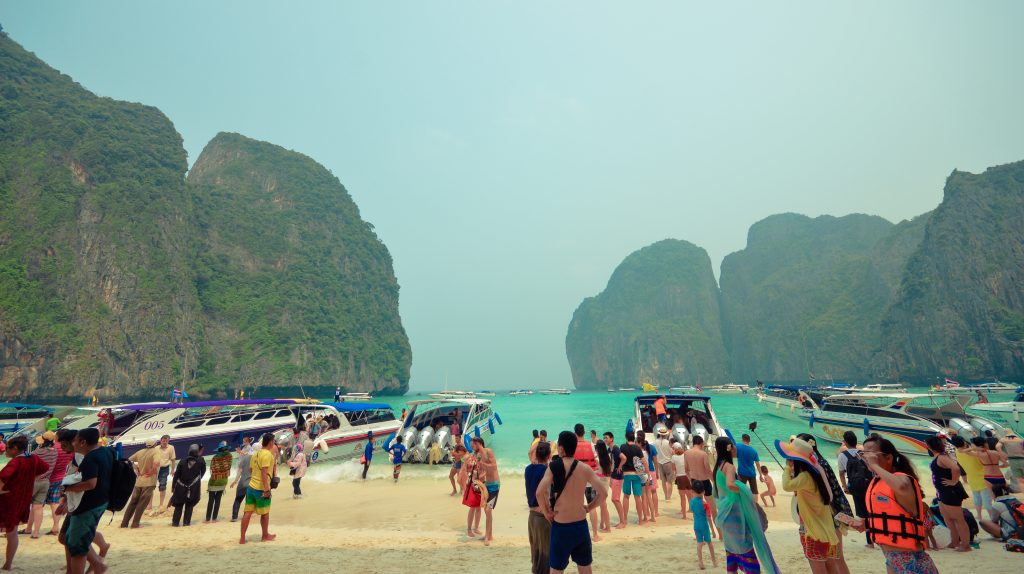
<point x="378" y="526"/>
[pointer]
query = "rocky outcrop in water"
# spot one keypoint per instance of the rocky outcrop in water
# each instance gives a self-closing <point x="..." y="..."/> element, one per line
<point x="656" y="322"/>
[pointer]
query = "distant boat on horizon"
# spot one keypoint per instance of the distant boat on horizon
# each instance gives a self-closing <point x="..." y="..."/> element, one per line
<point x="520" y="393"/>
<point x="556" y="392"/>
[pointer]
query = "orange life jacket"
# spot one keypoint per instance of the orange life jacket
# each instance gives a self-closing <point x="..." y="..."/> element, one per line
<point x="889" y="523"/>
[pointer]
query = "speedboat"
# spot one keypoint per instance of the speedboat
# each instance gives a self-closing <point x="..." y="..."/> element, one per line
<point x="785" y="400"/>
<point x="205" y="423"/>
<point x="730" y="388"/>
<point x="484" y="393"/>
<point x="1008" y="413"/>
<point x="990" y="388"/>
<point x="875" y="388"/>
<point x="429" y="422"/>
<point x="906" y="419"/>
<point x="355" y="422"/>
<point x="556" y="392"/>
<point x="453" y="395"/>
<point x="16" y="416"/>
<point x="355" y="397"/>
<point x="683" y="390"/>
<point x="686" y="416"/>
<point x="520" y="393"/>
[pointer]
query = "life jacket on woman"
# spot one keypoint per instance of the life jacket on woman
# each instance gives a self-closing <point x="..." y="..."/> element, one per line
<point x="888" y="522"/>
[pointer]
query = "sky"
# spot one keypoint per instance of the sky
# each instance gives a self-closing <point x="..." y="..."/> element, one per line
<point x="511" y="154"/>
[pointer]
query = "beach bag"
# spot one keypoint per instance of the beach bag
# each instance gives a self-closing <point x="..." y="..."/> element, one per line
<point x="1016" y="509"/>
<point x="641" y="470"/>
<point x="122" y="483"/>
<point x="858" y="475"/>
<point x="1014" y="545"/>
<point x="471" y="497"/>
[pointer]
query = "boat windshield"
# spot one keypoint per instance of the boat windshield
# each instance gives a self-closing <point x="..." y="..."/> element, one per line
<point x="683" y="410"/>
<point x="370" y="416"/>
<point x="444" y="413"/>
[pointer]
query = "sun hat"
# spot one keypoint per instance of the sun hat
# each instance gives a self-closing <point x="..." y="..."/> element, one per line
<point x="799" y="449"/>
<point x="663" y="431"/>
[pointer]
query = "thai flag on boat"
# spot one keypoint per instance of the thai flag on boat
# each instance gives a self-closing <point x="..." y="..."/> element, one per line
<point x="179" y="394"/>
<point x="952" y="383"/>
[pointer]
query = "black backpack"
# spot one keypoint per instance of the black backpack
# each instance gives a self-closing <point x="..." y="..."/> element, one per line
<point x="122" y="482"/>
<point x="858" y="476"/>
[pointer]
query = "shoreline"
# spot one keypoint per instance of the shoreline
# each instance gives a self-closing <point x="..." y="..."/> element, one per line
<point x="379" y="526"/>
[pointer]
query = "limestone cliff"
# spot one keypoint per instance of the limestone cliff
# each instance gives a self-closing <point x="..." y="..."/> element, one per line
<point x="96" y="293"/>
<point x="960" y="307"/>
<point x="296" y="288"/>
<point x="656" y="322"/>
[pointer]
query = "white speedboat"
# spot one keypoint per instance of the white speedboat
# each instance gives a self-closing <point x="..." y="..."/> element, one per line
<point x="429" y="422"/>
<point x="355" y="397"/>
<point x="683" y="390"/>
<point x="355" y="422"/>
<point x="987" y="389"/>
<point x="876" y="388"/>
<point x="686" y="416"/>
<point x="520" y="393"/>
<point x="784" y="401"/>
<point x="205" y="423"/>
<point x="906" y="419"/>
<point x="556" y="392"/>
<point x="727" y="389"/>
<point x="1009" y="413"/>
<point x="453" y="395"/>
<point x="486" y="394"/>
<point x="16" y="416"/>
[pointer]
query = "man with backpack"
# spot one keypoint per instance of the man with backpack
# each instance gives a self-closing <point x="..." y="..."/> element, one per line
<point x="566" y="480"/>
<point x="1007" y="516"/>
<point x="855" y="477"/>
<point x="96" y="466"/>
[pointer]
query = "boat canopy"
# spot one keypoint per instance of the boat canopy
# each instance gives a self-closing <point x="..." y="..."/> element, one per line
<point x="793" y="388"/>
<point x="357" y="407"/>
<point x="206" y="404"/>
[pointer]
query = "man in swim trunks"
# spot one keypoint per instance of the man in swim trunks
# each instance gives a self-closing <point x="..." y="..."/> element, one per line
<point x="486" y="463"/>
<point x="631" y="462"/>
<point x="257" y="495"/>
<point x="699" y="470"/>
<point x="570" y="537"/>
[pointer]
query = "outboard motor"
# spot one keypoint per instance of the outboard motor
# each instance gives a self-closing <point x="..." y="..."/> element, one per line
<point x="418" y="453"/>
<point x="983" y="425"/>
<point x="701" y="431"/>
<point x="409" y="436"/>
<point x="680" y="434"/>
<point x="443" y="437"/>
<point x="962" y="428"/>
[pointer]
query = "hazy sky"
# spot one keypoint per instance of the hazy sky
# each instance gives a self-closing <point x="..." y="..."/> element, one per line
<point x="511" y="154"/>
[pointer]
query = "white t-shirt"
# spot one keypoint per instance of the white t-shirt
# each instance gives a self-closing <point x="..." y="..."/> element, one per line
<point x="663" y="447"/>
<point x="677" y="459"/>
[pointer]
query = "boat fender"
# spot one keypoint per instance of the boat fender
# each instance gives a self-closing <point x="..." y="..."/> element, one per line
<point x="629" y="425"/>
<point x="867" y="427"/>
<point x="810" y="421"/>
<point x="465" y="439"/>
<point x="729" y="434"/>
<point x="498" y="418"/>
<point x="476" y="431"/>
<point x="490" y="425"/>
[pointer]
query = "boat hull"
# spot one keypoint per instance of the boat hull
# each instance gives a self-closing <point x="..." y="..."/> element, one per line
<point x="1010" y="414"/>
<point x="908" y="439"/>
<point x="351" y="443"/>
<point x="780" y="407"/>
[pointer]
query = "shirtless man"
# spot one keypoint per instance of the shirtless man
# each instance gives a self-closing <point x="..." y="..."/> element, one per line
<point x="570" y="536"/>
<point x="489" y="466"/>
<point x="699" y="470"/>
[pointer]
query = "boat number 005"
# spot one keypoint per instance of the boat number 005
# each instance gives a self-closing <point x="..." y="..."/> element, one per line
<point x="154" y="425"/>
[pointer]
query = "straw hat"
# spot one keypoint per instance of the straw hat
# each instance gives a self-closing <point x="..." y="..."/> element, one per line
<point x="798" y="449"/>
<point x="663" y="431"/>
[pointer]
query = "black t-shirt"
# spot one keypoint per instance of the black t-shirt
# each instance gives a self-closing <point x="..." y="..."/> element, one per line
<point x="96" y="464"/>
<point x="631" y="451"/>
<point x="616" y="471"/>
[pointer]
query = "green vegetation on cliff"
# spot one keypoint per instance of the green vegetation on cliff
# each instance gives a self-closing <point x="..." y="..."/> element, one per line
<point x="92" y="255"/>
<point x="960" y="308"/>
<point x="118" y="278"/>
<point x="806" y="296"/>
<point x="295" y="286"/>
<point x="656" y="322"/>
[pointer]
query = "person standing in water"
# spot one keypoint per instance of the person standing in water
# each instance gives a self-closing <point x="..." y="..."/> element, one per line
<point x="567" y="481"/>
<point x="397" y="451"/>
<point x="367" y="453"/>
<point x="488" y="465"/>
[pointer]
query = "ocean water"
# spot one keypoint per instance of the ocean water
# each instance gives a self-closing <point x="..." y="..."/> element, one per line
<point x="598" y="410"/>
